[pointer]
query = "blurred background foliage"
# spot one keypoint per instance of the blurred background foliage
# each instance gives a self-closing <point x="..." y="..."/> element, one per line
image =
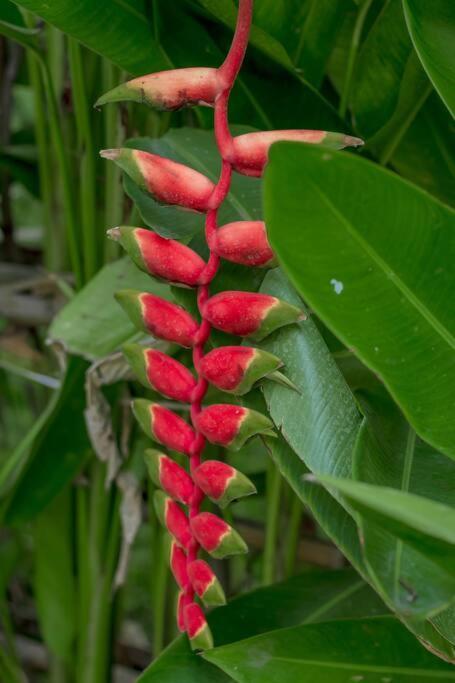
<point x="85" y="592"/>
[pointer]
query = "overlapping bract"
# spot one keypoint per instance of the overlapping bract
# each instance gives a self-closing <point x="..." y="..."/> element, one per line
<point x="231" y="369"/>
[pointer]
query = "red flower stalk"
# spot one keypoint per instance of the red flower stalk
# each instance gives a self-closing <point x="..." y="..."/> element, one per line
<point x="169" y="476"/>
<point x="233" y="369"/>
<point x="161" y="318"/>
<point x="244" y="242"/>
<point x="164" y="259"/>
<point x="160" y="372"/>
<point x="250" y="151"/>
<point x="167" y="181"/>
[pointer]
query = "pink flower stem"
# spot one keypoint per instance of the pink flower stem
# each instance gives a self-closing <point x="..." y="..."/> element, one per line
<point x="228" y="72"/>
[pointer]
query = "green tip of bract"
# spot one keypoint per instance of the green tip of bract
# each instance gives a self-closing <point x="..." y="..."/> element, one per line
<point x="159" y="503"/>
<point x="141" y="411"/>
<point x="119" y="94"/>
<point x="254" y="423"/>
<point x="135" y="355"/>
<point x="340" y="140"/>
<point x="152" y="462"/>
<point x="203" y="640"/>
<point x="231" y="544"/>
<point x="214" y="596"/>
<point x="130" y="302"/>
<point x="238" y="487"/>
<point x="279" y="315"/>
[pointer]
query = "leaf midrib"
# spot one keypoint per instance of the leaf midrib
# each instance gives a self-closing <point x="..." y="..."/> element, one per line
<point x="370" y="668"/>
<point x="390" y="274"/>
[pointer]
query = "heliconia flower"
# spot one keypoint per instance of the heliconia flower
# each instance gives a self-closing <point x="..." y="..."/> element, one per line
<point x="156" y="370"/>
<point x="231" y="426"/>
<point x="177" y="561"/>
<point x="222" y="483"/>
<point x="169" y="90"/>
<point x="250" y="151"/>
<point x="250" y="314"/>
<point x="169" y="475"/>
<point x="163" y="258"/>
<point x="163" y="319"/>
<point x="216" y="536"/>
<point x="235" y="369"/>
<point x="172" y="518"/>
<point x="197" y="627"/>
<point x="167" y="181"/>
<point x="205" y="583"/>
<point x="164" y="426"/>
<point x="244" y="242"/>
<point x="180" y="612"/>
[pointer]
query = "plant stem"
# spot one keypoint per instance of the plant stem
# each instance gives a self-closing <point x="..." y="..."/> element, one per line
<point x="292" y="539"/>
<point x="159" y="590"/>
<point x="88" y="161"/>
<point x="113" y="202"/>
<point x="272" y="522"/>
<point x="353" y="49"/>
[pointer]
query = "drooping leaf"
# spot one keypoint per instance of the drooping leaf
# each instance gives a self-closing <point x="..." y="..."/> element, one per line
<point x="59" y="451"/>
<point x="93" y="324"/>
<point x="426" y="525"/>
<point x="389" y="454"/>
<point x="373" y="261"/>
<point x="432" y="29"/>
<point x="313" y="597"/>
<point x="338" y="651"/>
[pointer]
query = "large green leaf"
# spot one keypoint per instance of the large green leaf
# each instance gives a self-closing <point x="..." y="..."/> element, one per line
<point x="426" y="525"/>
<point x="310" y="598"/>
<point x="388" y="453"/>
<point x="93" y="324"/>
<point x="58" y="452"/>
<point x="432" y="29"/>
<point x="371" y="254"/>
<point x="376" y="650"/>
<point x="117" y="30"/>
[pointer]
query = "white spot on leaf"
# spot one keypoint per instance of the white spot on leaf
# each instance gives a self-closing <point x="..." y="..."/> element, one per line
<point x="337" y="285"/>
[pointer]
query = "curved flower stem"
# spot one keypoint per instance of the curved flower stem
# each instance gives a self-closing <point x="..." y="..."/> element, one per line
<point x="228" y="71"/>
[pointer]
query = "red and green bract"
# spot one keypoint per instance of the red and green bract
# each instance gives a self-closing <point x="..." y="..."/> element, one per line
<point x="233" y="369"/>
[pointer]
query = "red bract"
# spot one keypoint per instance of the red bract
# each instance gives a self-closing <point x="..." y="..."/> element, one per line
<point x="249" y="314"/>
<point x="244" y="242"/>
<point x="167" y="181"/>
<point x="180" y="612"/>
<point x="161" y="318"/>
<point x="250" y="151"/>
<point x="236" y="369"/>
<point x="164" y="426"/>
<point x="216" y="536"/>
<point x="230" y="426"/>
<point x="167" y="474"/>
<point x="177" y="561"/>
<point x="158" y="371"/>
<point x="164" y="259"/>
<point x="205" y="583"/>
<point x="197" y="628"/>
<point x="173" y="518"/>
<point x="221" y="482"/>
<point x="169" y="90"/>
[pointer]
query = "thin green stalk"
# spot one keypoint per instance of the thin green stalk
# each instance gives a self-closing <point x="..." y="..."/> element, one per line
<point x="393" y="143"/>
<point x="293" y="535"/>
<point x="274" y="482"/>
<point x="160" y="576"/>
<point x="353" y="49"/>
<point x="69" y="204"/>
<point x="88" y="161"/>
<point x="113" y="201"/>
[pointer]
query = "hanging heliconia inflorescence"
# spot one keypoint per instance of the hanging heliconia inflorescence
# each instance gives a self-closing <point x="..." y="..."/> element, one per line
<point x="232" y="369"/>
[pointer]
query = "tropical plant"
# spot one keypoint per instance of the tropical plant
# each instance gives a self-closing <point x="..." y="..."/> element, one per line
<point x="334" y="267"/>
